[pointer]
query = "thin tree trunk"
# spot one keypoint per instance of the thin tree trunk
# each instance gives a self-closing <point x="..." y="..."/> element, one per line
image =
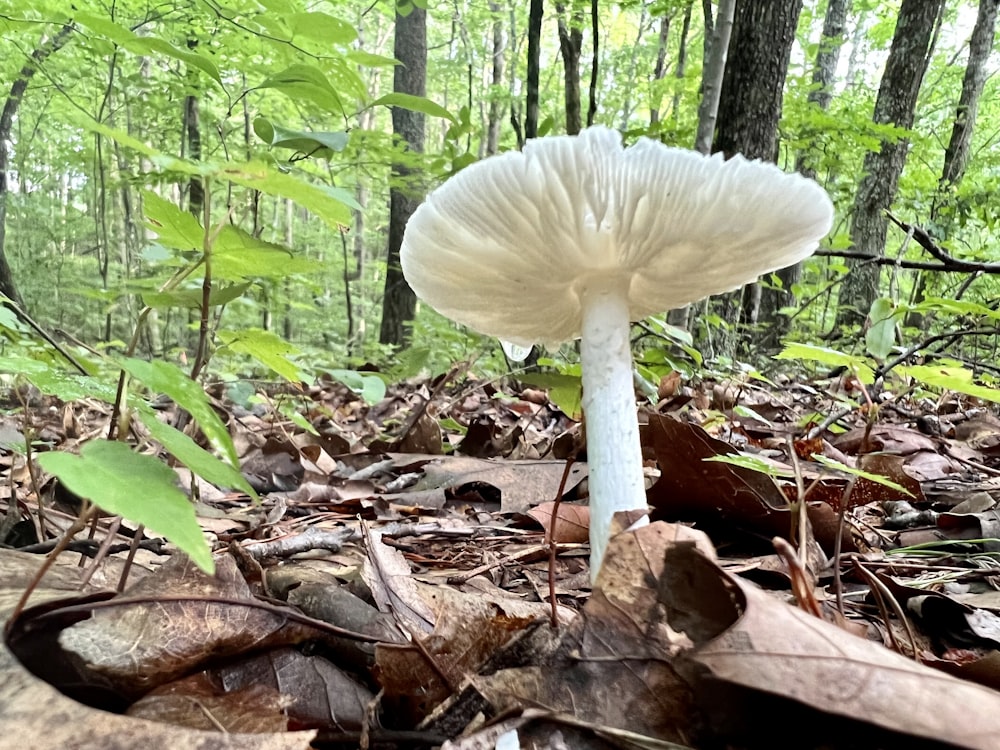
<point x="681" y="66"/>
<point x="713" y="74"/>
<point x="570" y="47"/>
<point x="627" y="104"/>
<point x="659" y="70"/>
<point x="717" y="47"/>
<point x="908" y="58"/>
<point x="956" y="155"/>
<point x="496" y="80"/>
<point x="410" y="77"/>
<point x="825" y="68"/>
<point x="595" y="33"/>
<point x="534" y="68"/>
<point x="45" y="48"/>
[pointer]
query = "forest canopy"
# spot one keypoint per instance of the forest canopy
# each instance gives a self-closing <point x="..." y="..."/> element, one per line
<point x="250" y="167"/>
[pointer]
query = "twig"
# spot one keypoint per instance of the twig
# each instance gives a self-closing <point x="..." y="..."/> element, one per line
<point x="550" y="540"/>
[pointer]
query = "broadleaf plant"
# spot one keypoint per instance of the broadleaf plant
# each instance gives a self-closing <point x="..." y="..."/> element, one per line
<point x="138" y="487"/>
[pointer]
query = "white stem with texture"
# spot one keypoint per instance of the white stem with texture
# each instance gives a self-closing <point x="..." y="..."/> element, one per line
<point x="614" y="456"/>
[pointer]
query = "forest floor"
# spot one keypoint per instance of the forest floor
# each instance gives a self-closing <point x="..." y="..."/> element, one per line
<point x="416" y="575"/>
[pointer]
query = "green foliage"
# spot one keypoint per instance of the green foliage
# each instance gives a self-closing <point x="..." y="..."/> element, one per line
<point x="882" y="321"/>
<point x="134" y="486"/>
<point x="859" y="366"/>
<point x="163" y="377"/>
<point x="266" y="348"/>
<point x="321" y="145"/>
<point x="950" y="377"/>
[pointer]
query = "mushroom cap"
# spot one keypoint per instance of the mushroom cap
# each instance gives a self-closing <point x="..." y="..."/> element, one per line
<point x="507" y="244"/>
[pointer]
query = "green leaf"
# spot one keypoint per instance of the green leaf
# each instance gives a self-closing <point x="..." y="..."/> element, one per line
<point x="55" y="381"/>
<point x="270" y="350"/>
<point x="174" y="228"/>
<point x="881" y="334"/>
<point x="330" y="204"/>
<point x="133" y="486"/>
<point x="858" y="365"/>
<point x="318" y="144"/>
<point x="238" y="255"/>
<point x="955" y="307"/>
<point x="371" y="388"/>
<point x="565" y="391"/>
<point x="950" y="378"/>
<point x="371" y="60"/>
<point x="144" y="45"/>
<point x="414" y="103"/>
<point x="303" y="423"/>
<point x="163" y="377"/>
<point x="196" y="458"/>
<point x="307" y="82"/>
<point x="192" y="298"/>
<point x="752" y="463"/>
<point x="9" y="321"/>
<point x="877" y="478"/>
<point x="321" y="27"/>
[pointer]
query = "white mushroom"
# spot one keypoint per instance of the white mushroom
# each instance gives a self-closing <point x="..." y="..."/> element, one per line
<point x="576" y="237"/>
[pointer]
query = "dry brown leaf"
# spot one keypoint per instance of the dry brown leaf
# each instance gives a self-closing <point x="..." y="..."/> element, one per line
<point x="388" y="576"/>
<point x="522" y="484"/>
<point x="572" y="522"/>
<point x="35" y="715"/>
<point x="136" y="646"/>
<point x="765" y="645"/>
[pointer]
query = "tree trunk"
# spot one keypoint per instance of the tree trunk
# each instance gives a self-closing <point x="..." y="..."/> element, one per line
<point x="823" y="78"/>
<point x="753" y="83"/>
<point x="410" y="77"/>
<point x="720" y="36"/>
<point x="595" y="33"/>
<point x="897" y="98"/>
<point x="825" y="68"/>
<point x="570" y="47"/>
<point x="752" y="91"/>
<point x="713" y="74"/>
<point x="681" y="65"/>
<point x="496" y="81"/>
<point x="534" y="68"/>
<point x="956" y="156"/>
<point x="630" y="83"/>
<point x="7" y="286"/>
<point x="659" y="70"/>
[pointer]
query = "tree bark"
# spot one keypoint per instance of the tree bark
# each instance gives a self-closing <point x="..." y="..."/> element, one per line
<point x="908" y="58"/>
<point x="496" y="81"/>
<point x="753" y="83"/>
<point x="595" y="33"/>
<point x="535" y="13"/>
<point x="399" y="303"/>
<point x="659" y="70"/>
<point x="823" y="77"/>
<point x="752" y="93"/>
<point x="713" y="75"/>
<point x="570" y="48"/>
<point x="956" y="155"/>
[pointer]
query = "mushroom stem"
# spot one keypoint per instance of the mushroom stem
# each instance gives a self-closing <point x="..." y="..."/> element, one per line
<point x="614" y="456"/>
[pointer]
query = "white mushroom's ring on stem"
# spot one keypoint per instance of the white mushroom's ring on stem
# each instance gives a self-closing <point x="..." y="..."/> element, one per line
<point x="577" y="236"/>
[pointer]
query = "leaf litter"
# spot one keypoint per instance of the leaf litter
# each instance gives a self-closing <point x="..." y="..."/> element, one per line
<point x="393" y="588"/>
